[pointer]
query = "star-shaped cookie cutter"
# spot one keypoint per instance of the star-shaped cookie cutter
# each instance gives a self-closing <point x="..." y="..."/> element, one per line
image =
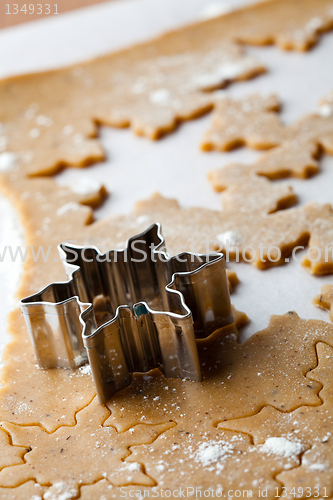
<point x="128" y="311"/>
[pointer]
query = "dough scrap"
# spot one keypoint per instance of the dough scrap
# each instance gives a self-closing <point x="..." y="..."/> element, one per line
<point x="152" y="86"/>
<point x="251" y="121"/>
<point x="291" y="159"/>
<point x="242" y="184"/>
<point x="325" y="299"/>
<point x="83" y="453"/>
<point x="232" y="280"/>
<point x="247" y="188"/>
<point x="310" y="425"/>
<point x="246" y="191"/>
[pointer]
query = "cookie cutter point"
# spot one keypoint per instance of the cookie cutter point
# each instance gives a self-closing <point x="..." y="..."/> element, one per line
<point x="129" y="311"/>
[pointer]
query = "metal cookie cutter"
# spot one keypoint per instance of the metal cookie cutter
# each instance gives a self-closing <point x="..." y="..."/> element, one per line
<point x="129" y="311"/>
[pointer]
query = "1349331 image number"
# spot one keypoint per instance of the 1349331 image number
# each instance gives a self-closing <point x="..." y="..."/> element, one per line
<point x="31" y="8"/>
<point x="302" y="492"/>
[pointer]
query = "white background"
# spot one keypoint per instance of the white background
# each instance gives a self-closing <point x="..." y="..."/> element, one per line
<point x="174" y="166"/>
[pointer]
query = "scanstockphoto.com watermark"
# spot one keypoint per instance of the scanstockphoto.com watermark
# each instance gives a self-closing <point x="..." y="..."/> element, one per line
<point x="188" y="492"/>
<point x="139" y="251"/>
<point x="220" y="492"/>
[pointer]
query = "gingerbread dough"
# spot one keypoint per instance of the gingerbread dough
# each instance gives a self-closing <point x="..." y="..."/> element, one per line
<point x="289" y="160"/>
<point x="152" y="86"/>
<point x="54" y="390"/>
<point x="60" y="217"/>
<point x="251" y="121"/>
<point x="245" y="190"/>
<point x="29" y="394"/>
<point x="43" y="391"/>
<point x="194" y="229"/>
<point x="275" y="367"/>
<point x="83" y="453"/>
<point x="247" y="120"/>
<point x="10" y="455"/>
<point x="213" y="458"/>
<point x="325" y="299"/>
<point x="309" y="425"/>
<point x="27" y="491"/>
<point x="286" y="230"/>
<point x="243" y="380"/>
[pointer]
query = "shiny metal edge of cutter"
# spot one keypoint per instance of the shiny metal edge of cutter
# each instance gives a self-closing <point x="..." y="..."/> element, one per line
<point x="125" y="313"/>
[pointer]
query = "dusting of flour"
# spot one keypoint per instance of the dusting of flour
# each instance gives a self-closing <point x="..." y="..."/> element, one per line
<point x="282" y="447"/>
<point x="211" y="452"/>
